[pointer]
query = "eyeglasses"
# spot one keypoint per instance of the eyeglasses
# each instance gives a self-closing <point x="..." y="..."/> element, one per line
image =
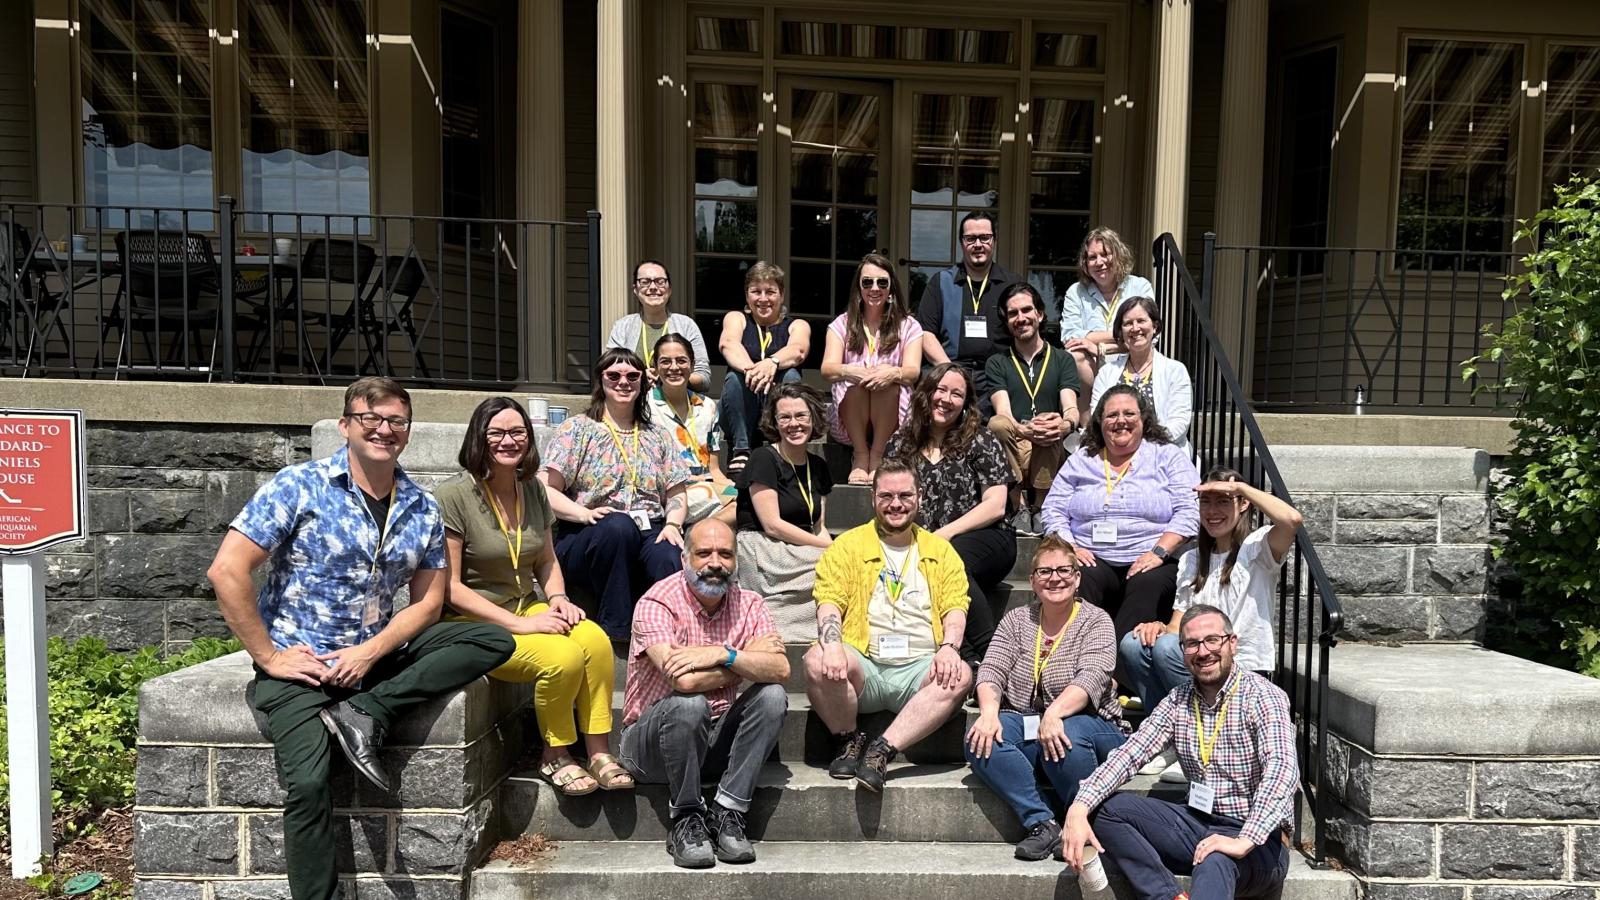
<point x="371" y="420"/>
<point x="794" y="418"/>
<point x="496" y="435"/>
<point x="673" y="362"/>
<point x="1212" y="642"/>
<point x="970" y="239"/>
<point x="614" y="377"/>
<point x="651" y="282"/>
<point x="886" y="497"/>
<point x="1045" y="573"/>
<point x="881" y="284"/>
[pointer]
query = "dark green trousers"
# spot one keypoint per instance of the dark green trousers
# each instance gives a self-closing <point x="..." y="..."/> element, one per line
<point x="442" y="658"/>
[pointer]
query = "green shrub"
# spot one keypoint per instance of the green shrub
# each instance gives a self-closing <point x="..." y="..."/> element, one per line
<point x="1551" y="499"/>
<point x="94" y="722"/>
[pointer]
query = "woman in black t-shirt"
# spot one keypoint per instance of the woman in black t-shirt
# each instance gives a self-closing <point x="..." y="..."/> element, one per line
<point x="781" y="493"/>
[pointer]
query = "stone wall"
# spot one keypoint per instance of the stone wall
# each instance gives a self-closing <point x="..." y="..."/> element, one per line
<point x="160" y="499"/>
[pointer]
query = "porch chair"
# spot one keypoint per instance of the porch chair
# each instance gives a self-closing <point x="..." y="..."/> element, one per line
<point x="328" y="267"/>
<point x="166" y="278"/>
<point x="386" y="310"/>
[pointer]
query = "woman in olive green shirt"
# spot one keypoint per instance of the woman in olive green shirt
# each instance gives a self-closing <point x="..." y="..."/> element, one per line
<point x="497" y="533"/>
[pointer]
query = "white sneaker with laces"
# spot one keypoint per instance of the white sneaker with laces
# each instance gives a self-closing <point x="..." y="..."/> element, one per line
<point x="1174" y="775"/>
<point x="1163" y="761"/>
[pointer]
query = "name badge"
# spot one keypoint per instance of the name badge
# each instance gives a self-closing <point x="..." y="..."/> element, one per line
<point x="371" y="609"/>
<point x="1105" y="533"/>
<point x="640" y="518"/>
<point x="894" y="646"/>
<point x="975" y="327"/>
<point x="1202" y="796"/>
<point x="1030" y="728"/>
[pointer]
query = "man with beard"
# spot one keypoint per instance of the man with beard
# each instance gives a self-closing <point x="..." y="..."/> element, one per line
<point x="891" y="614"/>
<point x="959" y="308"/>
<point x="696" y="638"/>
<point x="1233" y="736"/>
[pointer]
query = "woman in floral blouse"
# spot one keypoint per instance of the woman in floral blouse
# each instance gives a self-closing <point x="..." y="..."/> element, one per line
<point x="964" y="478"/>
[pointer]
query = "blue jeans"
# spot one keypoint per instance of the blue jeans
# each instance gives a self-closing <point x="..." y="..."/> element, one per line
<point x="1156" y="669"/>
<point x="615" y="562"/>
<point x="740" y="410"/>
<point x="1151" y="839"/>
<point x="1013" y="767"/>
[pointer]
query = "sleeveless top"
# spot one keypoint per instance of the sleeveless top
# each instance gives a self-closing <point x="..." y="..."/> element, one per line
<point x="778" y="337"/>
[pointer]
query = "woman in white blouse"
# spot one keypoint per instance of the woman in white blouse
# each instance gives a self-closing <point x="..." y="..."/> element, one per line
<point x="1161" y="379"/>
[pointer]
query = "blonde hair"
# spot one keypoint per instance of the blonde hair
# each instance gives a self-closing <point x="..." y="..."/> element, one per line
<point x="1121" y="256"/>
<point x="764" y="271"/>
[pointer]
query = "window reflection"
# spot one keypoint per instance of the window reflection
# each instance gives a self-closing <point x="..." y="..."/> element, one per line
<point x="1571" y="116"/>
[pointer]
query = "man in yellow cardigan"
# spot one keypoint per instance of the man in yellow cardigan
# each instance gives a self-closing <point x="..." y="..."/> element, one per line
<point x="891" y="612"/>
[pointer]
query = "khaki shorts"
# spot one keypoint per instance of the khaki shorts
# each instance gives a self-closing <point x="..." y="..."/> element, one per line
<point x="1032" y="466"/>
<point x="889" y="688"/>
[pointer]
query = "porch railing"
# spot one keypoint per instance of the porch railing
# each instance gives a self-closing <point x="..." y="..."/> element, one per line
<point x="1345" y="328"/>
<point x="1224" y="433"/>
<point x="236" y="295"/>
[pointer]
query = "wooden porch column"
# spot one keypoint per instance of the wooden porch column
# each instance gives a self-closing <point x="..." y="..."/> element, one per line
<point x="617" y="52"/>
<point x="1170" y="184"/>
<point x="57" y="111"/>
<point x="1239" y="153"/>
<point x="541" y="180"/>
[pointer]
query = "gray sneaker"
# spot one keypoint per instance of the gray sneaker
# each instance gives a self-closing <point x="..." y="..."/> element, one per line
<point x="727" y="831"/>
<point x="689" y="844"/>
<point x="1025" y="522"/>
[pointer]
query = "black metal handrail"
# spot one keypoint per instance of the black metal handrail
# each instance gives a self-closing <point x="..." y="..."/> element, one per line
<point x="246" y="295"/>
<point x="1224" y="432"/>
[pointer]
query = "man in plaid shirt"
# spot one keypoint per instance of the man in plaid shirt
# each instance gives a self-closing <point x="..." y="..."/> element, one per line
<point x="696" y="637"/>
<point x="1233" y="736"/>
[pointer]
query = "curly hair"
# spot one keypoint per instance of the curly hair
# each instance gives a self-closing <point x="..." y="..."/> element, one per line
<point x="1121" y="256"/>
<point x="894" y="312"/>
<point x="917" y="432"/>
<point x="597" y="393"/>
<point x="792" y="390"/>
<point x="1094" y="440"/>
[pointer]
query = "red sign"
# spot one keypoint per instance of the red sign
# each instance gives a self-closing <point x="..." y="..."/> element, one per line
<point x="42" y="479"/>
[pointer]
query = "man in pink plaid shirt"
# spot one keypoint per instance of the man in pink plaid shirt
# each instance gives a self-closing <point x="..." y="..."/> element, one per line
<point x="1233" y="735"/>
<point x="696" y="638"/>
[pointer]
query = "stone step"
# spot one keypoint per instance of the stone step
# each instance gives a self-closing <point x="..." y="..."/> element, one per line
<point x="794" y="802"/>
<point x="642" y="870"/>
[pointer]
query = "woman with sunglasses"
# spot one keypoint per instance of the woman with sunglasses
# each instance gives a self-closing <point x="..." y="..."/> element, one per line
<point x="639" y="331"/>
<point x="873" y="355"/>
<point x="1045" y="702"/>
<point x="781" y="496"/>
<point x="503" y="570"/>
<point x="617" y="488"/>
<point x="690" y="419"/>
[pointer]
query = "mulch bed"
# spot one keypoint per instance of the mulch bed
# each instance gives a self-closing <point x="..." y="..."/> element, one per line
<point x="107" y="848"/>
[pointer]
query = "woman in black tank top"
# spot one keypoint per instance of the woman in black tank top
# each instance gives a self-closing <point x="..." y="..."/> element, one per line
<point x="762" y="347"/>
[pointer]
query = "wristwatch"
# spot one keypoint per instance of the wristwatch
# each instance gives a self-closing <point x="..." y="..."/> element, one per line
<point x="1160" y="551"/>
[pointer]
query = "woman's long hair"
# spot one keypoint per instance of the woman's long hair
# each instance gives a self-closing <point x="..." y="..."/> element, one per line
<point x="475" y="456"/>
<point x="1207" y="545"/>
<point x="597" y="392"/>
<point x="894" y="311"/>
<point x="1094" y="439"/>
<point x="1116" y="248"/>
<point x="917" y="433"/>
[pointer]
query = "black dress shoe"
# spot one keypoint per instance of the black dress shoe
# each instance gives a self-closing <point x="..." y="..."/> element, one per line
<point x="360" y="737"/>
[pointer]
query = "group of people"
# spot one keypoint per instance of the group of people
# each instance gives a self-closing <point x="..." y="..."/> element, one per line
<point x="705" y="572"/>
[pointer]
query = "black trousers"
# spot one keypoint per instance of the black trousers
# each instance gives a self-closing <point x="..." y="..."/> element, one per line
<point x="1146" y="597"/>
<point x="988" y="554"/>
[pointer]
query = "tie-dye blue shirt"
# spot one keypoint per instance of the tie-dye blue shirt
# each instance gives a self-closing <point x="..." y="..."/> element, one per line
<point x="312" y="520"/>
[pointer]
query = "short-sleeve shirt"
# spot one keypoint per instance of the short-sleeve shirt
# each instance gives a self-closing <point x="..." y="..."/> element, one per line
<point x="696" y="437"/>
<point x="1247" y="598"/>
<point x="485" y="549"/>
<point x="322" y="541"/>
<point x="1051" y="370"/>
<point x="766" y="467"/>
<point x="633" y="471"/>
<point x="669" y="613"/>
<point x="955" y="484"/>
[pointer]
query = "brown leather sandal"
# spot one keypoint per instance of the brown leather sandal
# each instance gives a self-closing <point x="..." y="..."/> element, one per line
<point x="563" y="771"/>
<point x="609" y="773"/>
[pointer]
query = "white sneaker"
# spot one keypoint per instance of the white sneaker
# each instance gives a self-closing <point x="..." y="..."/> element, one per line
<point x="1174" y="775"/>
<point x="1163" y="761"/>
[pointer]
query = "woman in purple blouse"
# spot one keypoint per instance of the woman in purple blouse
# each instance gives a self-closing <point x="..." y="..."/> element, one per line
<point x="1126" y="501"/>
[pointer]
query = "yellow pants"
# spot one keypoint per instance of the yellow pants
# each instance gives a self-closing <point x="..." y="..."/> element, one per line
<point x="566" y="669"/>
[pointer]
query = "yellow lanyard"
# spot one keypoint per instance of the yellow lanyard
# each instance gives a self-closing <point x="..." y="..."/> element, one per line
<point x="805" y="489"/>
<point x="1111" y="483"/>
<point x="1206" y="746"/>
<point x="512" y="550"/>
<point x="647" y="346"/>
<point x="1111" y="305"/>
<point x="977" y="293"/>
<point x="893" y="582"/>
<point x="382" y="533"/>
<point x="763" y="337"/>
<point x="631" y="461"/>
<point x="872" y="346"/>
<point x="1041" y="657"/>
<point x="1033" y="389"/>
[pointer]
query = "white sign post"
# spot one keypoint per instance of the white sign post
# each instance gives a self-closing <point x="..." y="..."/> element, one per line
<point x="43" y="488"/>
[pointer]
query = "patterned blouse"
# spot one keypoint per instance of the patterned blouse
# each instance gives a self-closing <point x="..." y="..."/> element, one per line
<point x="633" y="471"/>
<point x="698" y="437"/>
<point x="955" y="484"/>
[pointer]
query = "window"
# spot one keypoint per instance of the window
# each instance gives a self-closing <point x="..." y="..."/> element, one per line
<point x="146" y="110"/>
<point x="1571" y="116"/>
<point x="725" y="118"/>
<point x="1460" y="113"/>
<point x="1305" y="143"/>
<point x="468" y="139"/>
<point x="909" y="43"/>
<point x="305" y="106"/>
<point x="955" y="168"/>
<point x="1065" y="50"/>
<point x="726" y="34"/>
<point x="1060" y="193"/>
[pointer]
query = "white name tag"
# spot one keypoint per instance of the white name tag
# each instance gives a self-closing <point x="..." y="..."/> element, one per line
<point x="894" y="646"/>
<point x="640" y="518"/>
<point x="371" y="609"/>
<point x="975" y="327"/>
<point x="1030" y="728"/>
<point x="1202" y="796"/>
<point x="1105" y="532"/>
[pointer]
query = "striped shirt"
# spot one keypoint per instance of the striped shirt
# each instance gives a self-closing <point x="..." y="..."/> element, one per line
<point x="1086" y="654"/>
<point x="1253" y="764"/>
<point x="669" y="613"/>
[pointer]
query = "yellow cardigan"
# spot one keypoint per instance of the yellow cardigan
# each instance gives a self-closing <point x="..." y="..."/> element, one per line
<point x="849" y="569"/>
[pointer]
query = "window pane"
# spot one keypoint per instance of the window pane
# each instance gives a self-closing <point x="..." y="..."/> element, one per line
<point x="725" y="111"/>
<point x="1059" y="50"/>
<point x="858" y="177"/>
<point x="857" y="233"/>
<point x="721" y="34"/>
<point x="811" y="117"/>
<point x="867" y="41"/>
<point x="469" y="123"/>
<point x="811" y="231"/>
<point x="1306" y="148"/>
<point x="932" y="235"/>
<point x="726" y="170"/>
<point x="1053" y="240"/>
<point x="811" y="289"/>
<point x="809" y="38"/>
<point x="724" y="226"/>
<point x="719" y="283"/>
<point x="1571" y="116"/>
